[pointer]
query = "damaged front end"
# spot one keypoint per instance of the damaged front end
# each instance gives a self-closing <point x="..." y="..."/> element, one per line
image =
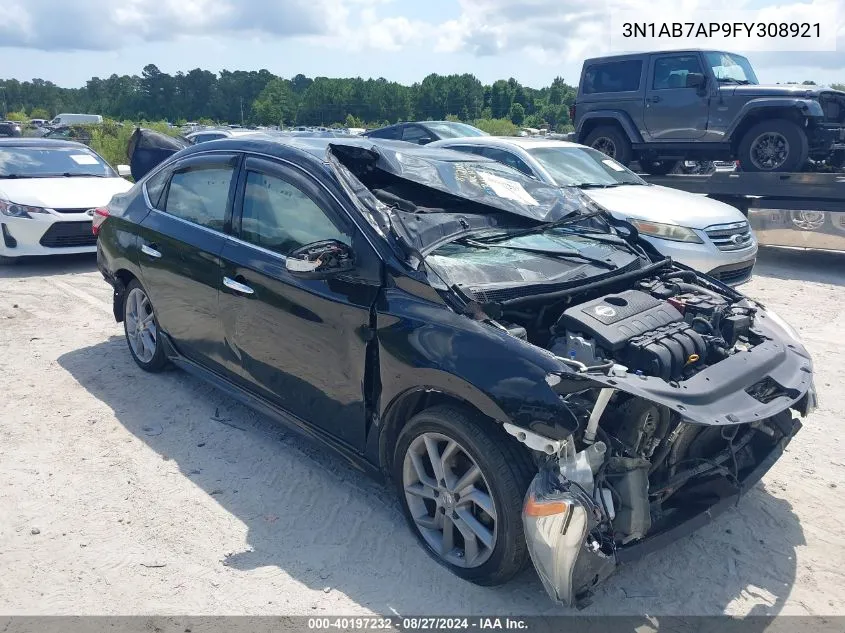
<point x="710" y="393"/>
<point x="667" y="395"/>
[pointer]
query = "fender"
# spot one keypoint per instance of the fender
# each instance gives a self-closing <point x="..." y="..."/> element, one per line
<point x="622" y="118"/>
<point x="805" y="107"/>
<point x="434" y="349"/>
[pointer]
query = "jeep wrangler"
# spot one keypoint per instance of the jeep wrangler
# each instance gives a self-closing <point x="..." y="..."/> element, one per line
<point x="661" y="107"/>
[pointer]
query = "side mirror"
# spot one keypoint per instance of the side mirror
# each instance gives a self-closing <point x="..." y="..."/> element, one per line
<point x="124" y="171"/>
<point x="320" y="260"/>
<point x="425" y="140"/>
<point x="696" y="80"/>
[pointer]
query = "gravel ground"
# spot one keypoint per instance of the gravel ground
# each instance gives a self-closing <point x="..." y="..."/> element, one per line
<point x="122" y="494"/>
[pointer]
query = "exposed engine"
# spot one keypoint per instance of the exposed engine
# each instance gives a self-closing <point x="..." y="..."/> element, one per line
<point x="659" y="330"/>
<point x="635" y="468"/>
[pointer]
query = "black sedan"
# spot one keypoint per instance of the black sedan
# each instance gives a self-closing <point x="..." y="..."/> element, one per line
<point x="532" y="379"/>
<point x="424" y="132"/>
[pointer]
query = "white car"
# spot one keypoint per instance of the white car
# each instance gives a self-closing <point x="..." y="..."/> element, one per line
<point x="705" y="234"/>
<point x="48" y="190"/>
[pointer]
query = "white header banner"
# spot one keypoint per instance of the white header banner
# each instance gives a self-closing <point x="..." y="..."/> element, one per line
<point x="798" y="27"/>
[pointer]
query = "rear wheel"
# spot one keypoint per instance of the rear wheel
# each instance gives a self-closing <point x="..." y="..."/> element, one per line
<point x="777" y="146"/>
<point x="461" y="483"/>
<point x="612" y="141"/>
<point x="141" y="329"/>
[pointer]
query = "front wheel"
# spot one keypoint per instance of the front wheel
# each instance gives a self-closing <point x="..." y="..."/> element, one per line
<point x="461" y="482"/>
<point x="141" y="329"/>
<point x="776" y="146"/>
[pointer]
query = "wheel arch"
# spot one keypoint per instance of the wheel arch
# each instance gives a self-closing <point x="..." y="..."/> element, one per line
<point x="408" y="404"/>
<point x="592" y="120"/>
<point x="751" y="116"/>
<point x="122" y="278"/>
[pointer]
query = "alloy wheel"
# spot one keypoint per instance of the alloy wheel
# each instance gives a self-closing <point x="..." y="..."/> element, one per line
<point x="606" y="146"/>
<point x="141" y="330"/>
<point x="769" y="151"/>
<point x="449" y="500"/>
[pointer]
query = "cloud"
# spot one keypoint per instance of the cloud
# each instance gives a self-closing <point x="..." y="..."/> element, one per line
<point x="566" y="31"/>
<point x="108" y="25"/>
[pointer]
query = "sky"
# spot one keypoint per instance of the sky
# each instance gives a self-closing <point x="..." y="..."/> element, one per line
<point x="68" y="42"/>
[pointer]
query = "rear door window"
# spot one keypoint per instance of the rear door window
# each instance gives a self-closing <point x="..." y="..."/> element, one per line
<point x="199" y="193"/>
<point x="415" y="134"/>
<point x="621" y="76"/>
<point x="390" y="132"/>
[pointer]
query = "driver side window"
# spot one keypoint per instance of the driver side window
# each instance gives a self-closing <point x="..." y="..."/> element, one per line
<point x="280" y="217"/>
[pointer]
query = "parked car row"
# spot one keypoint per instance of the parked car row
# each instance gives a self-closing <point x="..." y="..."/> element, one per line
<point x="533" y="377"/>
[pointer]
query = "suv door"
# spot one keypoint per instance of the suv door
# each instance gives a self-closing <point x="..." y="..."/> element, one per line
<point x="302" y="343"/>
<point x="674" y="112"/>
<point x="180" y="242"/>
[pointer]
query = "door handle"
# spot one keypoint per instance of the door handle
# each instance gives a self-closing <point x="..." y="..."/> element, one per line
<point x="655" y="99"/>
<point x="237" y="286"/>
<point x="149" y="250"/>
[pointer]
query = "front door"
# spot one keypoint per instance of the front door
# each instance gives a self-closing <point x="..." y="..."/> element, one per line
<point x="674" y="112"/>
<point x="181" y="241"/>
<point x="302" y="343"/>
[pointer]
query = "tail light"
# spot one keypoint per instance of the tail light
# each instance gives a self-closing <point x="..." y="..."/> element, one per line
<point x="572" y="113"/>
<point x="97" y="218"/>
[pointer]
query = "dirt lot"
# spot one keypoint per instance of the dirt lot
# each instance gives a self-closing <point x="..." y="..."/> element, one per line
<point x="121" y="494"/>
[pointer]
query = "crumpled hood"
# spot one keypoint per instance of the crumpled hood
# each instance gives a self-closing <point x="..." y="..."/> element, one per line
<point x="482" y="181"/>
<point x="664" y="204"/>
<point x="62" y="193"/>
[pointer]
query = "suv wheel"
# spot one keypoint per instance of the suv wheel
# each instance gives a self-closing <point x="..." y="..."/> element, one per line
<point x="778" y="145"/>
<point x="612" y="141"/>
<point x="461" y="483"/>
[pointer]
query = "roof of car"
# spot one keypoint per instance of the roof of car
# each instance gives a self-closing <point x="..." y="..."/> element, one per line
<point x="39" y="142"/>
<point x="525" y="142"/>
<point x="663" y="52"/>
<point x="316" y="146"/>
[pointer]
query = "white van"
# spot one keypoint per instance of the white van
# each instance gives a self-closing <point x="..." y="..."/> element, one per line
<point x="75" y="119"/>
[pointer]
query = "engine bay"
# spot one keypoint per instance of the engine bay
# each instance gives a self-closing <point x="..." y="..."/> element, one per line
<point x="635" y="468"/>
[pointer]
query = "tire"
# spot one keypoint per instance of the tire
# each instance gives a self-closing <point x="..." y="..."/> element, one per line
<point x="144" y="343"/>
<point x="8" y="261"/>
<point x="611" y="140"/>
<point x="506" y="470"/>
<point x="774" y="146"/>
<point x="658" y="167"/>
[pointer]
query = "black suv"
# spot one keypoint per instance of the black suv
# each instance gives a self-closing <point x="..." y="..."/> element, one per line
<point x="662" y="107"/>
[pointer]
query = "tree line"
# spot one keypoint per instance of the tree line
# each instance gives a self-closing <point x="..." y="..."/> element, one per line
<point x="262" y="98"/>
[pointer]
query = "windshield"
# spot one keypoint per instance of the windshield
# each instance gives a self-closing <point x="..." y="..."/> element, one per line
<point x="43" y="162"/>
<point x="583" y="166"/>
<point x="731" y="68"/>
<point x="554" y="256"/>
<point x="450" y="129"/>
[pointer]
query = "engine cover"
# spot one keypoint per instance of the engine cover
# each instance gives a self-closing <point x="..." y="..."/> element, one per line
<point x="639" y="331"/>
<point x="614" y="320"/>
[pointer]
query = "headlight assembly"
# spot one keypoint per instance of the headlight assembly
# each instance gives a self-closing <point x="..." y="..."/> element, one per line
<point x="12" y="210"/>
<point x="666" y="231"/>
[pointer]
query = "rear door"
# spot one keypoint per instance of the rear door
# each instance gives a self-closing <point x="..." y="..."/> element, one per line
<point x="674" y="112"/>
<point x="302" y="343"/>
<point x="181" y="241"/>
